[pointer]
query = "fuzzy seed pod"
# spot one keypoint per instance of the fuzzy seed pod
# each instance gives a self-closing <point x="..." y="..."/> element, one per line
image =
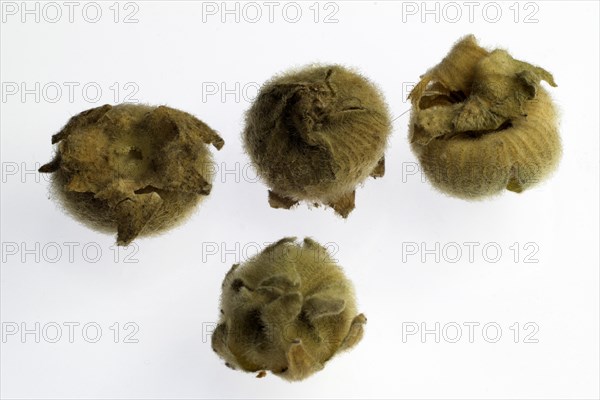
<point x="287" y="310"/>
<point x="482" y="123"/>
<point x="133" y="169"/>
<point x="315" y="133"/>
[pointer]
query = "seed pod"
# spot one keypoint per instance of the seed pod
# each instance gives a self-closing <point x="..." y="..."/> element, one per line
<point x="134" y="169"/>
<point x="482" y="123"/>
<point x="315" y="133"/>
<point x="287" y="310"/>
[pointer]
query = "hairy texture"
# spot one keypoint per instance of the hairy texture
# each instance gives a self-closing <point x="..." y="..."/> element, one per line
<point x="315" y="133"/>
<point x="482" y="123"/>
<point x="287" y="310"/>
<point x="133" y="169"/>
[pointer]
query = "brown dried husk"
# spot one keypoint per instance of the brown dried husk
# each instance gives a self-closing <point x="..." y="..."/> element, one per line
<point x="287" y="310"/>
<point x="315" y="133"/>
<point x="132" y="169"/>
<point x="482" y="123"/>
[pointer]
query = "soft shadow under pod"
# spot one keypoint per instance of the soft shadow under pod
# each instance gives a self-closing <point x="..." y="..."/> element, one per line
<point x="481" y="123"/>
<point x="132" y="169"/>
<point x="287" y="310"/>
<point x="315" y="133"/>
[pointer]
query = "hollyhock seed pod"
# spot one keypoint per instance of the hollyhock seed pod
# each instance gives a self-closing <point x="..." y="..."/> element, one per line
<point x="287" y="310"/>
<point x="481" y="122"/>
<point x="315" y="133"/>
<point x="134" y="169"/>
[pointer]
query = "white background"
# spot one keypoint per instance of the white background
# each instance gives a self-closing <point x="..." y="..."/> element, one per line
<point x="170" y="286"/>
